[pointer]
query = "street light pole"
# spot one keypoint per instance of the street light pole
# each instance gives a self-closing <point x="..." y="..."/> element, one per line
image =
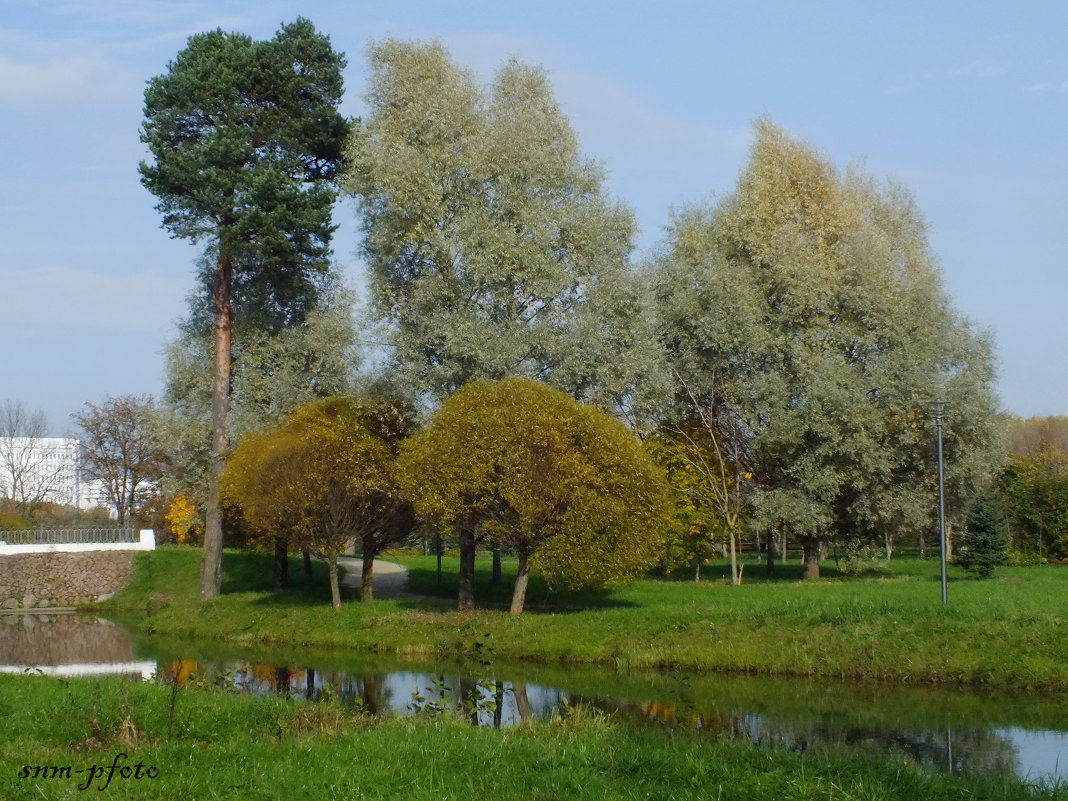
<point x="939" y="407"/>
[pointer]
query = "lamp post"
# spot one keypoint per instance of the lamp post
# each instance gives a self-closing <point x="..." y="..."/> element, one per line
<point x="938" y="407"/>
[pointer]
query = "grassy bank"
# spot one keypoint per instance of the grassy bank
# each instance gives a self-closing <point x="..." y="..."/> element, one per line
<point x="217" y="745"/>
<point x="1008" y="632"/>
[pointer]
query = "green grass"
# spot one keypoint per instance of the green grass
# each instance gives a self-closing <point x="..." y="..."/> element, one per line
<point x="1007" y="632"/>
<point x="224" y="746"/>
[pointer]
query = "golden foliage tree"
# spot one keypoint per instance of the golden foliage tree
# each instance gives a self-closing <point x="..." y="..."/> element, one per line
<point x="562" y="484"/>
<point x="325" y="477"/>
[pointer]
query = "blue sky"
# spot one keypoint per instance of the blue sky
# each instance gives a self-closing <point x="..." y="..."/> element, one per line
<point x="966" y="103"/>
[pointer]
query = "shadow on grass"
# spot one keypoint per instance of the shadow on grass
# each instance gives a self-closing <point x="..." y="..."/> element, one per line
<point x="253" y="572"/>
<point x="541" y="598"/>
<point x="753" y="572"/>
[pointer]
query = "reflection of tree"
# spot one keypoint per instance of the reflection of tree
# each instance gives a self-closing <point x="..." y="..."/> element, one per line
<point x="498" y="703"/>
<point x="522" y="701"/>
<point x="283" y="677"/>
<point x="375" y="693"/>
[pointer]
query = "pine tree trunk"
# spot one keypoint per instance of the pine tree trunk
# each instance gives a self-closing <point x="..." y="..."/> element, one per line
<point x="211" y="561"/>
<point x="466" y="598"/>
<point x="368" y="576"/>
<point x="810" y="565"/>
<point x="335" y="591"/>
<point x="281" y="562"/>
<point x="519" y="594"/>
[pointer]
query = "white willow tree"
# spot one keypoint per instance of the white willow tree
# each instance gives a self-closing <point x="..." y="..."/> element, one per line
<point x="493" y="250"/>
<point x="805" y="315"/>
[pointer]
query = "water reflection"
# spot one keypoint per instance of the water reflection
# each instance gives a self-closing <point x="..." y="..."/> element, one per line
<point x="958" y="732"/>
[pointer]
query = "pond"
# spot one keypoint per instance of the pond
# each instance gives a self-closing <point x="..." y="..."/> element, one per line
<point x="947" y="730"/>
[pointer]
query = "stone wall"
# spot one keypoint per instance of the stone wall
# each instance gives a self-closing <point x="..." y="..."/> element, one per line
<point x="41" y="580"/>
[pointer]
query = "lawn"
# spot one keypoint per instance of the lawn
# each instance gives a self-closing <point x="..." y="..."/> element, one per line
<point x="1007" y="632"/>
<point x="200" y="743"/>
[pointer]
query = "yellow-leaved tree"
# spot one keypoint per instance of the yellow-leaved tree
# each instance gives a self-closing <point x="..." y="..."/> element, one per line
<point x="564" y="485"/>
<point x="324" y="477"/>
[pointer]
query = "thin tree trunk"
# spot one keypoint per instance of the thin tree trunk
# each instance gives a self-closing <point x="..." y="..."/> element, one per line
<point x="888" y="541"/>
<point x="497" y="576"/>
<point x="949" y="542"/>
<point x="769" y="543"/>
<point x="335" y="591"/>
<point x="466" y="598"/>
<point x="811" y="561"/>
<point x="736" y="574"/>
<point x="367" y="578"/>
<point x="307" y="566"/>
<point x="697" y="568"/>
<point x="211" y="561"/>
<point x="281" y="562"/>
<point x="785" y="552"/>
<point x="519" y="593"/>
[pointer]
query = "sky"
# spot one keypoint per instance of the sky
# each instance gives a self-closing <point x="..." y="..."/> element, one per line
<point x="965" y="103"/>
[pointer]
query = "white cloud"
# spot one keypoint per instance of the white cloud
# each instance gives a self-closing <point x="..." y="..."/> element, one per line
<point x="1045" y="87"/>
<point x="132" y="11"/>
<point x="85" y="77"/>
<point x="979" y="69"/>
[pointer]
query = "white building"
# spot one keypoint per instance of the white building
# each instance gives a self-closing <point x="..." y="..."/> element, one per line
<point x="46" y="469"/>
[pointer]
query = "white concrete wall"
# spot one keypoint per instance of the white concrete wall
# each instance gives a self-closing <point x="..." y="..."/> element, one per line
<point x="147" y="542"/>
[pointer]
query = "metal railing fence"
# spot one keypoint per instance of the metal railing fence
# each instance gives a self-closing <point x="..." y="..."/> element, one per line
<point x="68" y="536"/>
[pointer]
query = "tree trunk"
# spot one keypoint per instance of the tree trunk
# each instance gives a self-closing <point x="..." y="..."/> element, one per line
<point x="368" y="576"/>
<point x="888" y="541"/>
<point x="697" y="568"/>
<point x="769" y="543"/>
<point x="466" y="599"/>
<point x="281" y="562"/>
<point x="519" y="594"/>
<point x="810" y="563"/>
<point x="923" y="545"/>
<point x="949" y="542"/>
<point x="307" y="566"/>
<point x="497" y="577"/>
<point x="736" y="574"/>
<point x="211" y="561"/>
<point x="335" y="591"/>
<point x="785" y="553"/>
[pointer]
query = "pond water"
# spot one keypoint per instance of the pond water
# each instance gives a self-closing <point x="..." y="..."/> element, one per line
<point x="956" y="731"/>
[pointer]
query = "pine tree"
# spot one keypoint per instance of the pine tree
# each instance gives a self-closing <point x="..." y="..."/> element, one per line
<point x="985" y="541"/>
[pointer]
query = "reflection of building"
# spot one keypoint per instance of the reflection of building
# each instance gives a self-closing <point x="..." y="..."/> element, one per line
<point x="46" y="469"/>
